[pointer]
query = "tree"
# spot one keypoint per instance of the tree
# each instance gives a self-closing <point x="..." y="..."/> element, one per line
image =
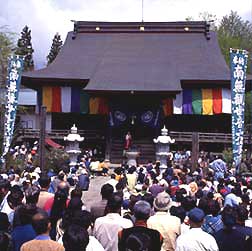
<point x="55" y="48"/>
<point x="24" y="48"/>
<point x="235" y="33"/>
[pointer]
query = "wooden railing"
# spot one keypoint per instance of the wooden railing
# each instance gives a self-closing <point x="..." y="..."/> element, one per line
<point x="60" y="134"/>
<point x="225" y="138"/>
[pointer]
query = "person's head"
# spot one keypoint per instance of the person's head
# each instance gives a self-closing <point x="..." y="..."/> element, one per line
<point x="75" y="204"/>
<point x="5" y="241"/>
<point x="75" y="238"/>
<point x="106" y="191"/>
<point x="44" y="182"/>
<point x="15" y="197"/>
<point x="196" y="217"/>
<point x="242" y="214"/>
<point x="4" y="187"/>
<point x="188" y="203"/>
<point x="142" y="210"/>
<point x="25" y="213"/>
<point x="4" y="222"/>
<point x="213" y="208"/>
<point x="229" y="216"/>
<point x="82" y="218"/>
<point x="41" y="223"/>
<point x="114" y="203"/>
<point x="162" y="202"/>
<point x="32" y="194"/>
<point x="77" y="192"/>
<point x="149" y="198"/>
<point x="113" y="176"/>
<point x="179" y="212"/>
<point x="63" y="187"/>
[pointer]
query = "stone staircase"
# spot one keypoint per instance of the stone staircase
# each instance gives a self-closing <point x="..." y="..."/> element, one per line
<point x="145" y="146"/>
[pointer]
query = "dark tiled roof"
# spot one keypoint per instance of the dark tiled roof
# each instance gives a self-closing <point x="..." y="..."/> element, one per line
<point x="121" y="57"/>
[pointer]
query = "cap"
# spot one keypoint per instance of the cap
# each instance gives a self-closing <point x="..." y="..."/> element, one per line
<point x="196" y="215"/>
<point x="162" y="202"/>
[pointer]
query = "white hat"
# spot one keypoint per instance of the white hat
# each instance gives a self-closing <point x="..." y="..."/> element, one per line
<point x="37" y="170"/>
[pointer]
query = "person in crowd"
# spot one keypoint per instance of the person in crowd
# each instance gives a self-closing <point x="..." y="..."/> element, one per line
<point x="24" y="231"/>
<point x="98" y="209"/>
<point x="5" y="242"/>
<point x="112" y="181"/>
<point x="31" y="197"/>
<point x="128" y="141"/>
<point x="212" y="222"/>
<point x="44" y="182"/>
<point x="75" y="238"/>
<point x="106" y="228"/>
<point x="131" y="178"/>
<point x="63" y="187"/>
<point x="196" y="239"/>
<point x="42" y="241"/>
<point x="169" y="226"/>
<point x="229" y="238"/>
<point x="4" y="192"/>
<point x="140" y="237"/>
<point x="58" y="209"/>
<point x="83" y="180"/>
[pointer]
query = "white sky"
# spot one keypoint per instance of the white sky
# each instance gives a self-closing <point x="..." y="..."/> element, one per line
<point x="46" y="17"/>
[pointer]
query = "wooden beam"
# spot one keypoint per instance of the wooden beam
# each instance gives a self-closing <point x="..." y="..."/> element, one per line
<point x="42" y="138"/>
<point x="195" y="150"/>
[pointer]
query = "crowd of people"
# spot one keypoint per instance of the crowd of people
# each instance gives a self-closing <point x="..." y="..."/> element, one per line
<point x="142" y="207"/>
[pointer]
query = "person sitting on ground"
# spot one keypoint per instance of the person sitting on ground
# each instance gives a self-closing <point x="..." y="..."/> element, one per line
<point x="139" y="237"/>
<point x="98" y="209"/>
<point x="42" y="241"/>
<point x="113" y="182"/>
<point x="195" y="238"/>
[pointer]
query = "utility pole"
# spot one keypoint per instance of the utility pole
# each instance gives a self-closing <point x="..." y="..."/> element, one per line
<point x="42" y="138"/>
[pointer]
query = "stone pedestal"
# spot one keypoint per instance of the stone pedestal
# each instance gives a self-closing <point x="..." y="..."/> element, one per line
<point x="132" y="157"/>
<point x="163" y="148"/>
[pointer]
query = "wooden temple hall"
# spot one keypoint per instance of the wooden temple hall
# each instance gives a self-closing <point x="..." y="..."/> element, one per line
<point x="112" y="77"/>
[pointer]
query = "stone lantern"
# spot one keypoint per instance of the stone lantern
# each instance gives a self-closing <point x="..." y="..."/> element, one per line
<point x="73" y="139"/>
<point x="163" y="147"/>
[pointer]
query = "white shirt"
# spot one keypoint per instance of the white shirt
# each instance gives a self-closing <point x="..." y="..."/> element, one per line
<point x="196" y="240"/>
<point x="106" y="230"/>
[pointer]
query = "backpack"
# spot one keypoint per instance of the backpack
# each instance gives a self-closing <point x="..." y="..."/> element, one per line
<point x="138" y="241"/>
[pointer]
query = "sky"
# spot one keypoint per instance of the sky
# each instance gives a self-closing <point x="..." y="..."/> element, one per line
<point x="47" y="17"/>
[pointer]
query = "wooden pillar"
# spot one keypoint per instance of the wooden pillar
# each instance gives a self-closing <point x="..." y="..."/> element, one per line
<point x="108" y="142"/>
<point x="195" y="150"/>
<point x="42" y="138"/>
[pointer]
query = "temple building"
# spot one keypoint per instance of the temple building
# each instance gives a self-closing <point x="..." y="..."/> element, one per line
<point x="116" y="77"/>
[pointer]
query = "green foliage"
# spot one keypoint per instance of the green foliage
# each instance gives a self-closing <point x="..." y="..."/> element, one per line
<point x="228" y="156"/>
<point x="55" y="48"/>
<point x="56" y="159"/>
<point x="24" y="48"/>
<point x="235" y="33"/>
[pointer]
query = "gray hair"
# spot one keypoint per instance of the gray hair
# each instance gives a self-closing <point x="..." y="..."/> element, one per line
<point x="142" y="210"/>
